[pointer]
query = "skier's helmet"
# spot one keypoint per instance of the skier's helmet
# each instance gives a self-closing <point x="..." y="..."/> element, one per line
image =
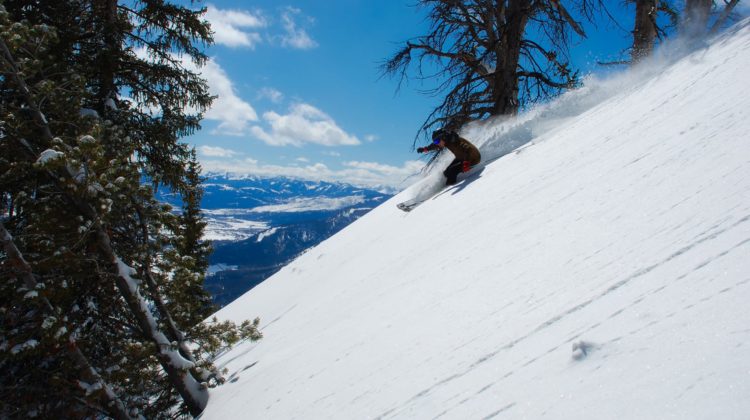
<point x="443" y="134"/>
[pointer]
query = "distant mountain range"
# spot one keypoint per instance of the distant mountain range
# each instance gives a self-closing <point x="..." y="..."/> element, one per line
<point x="258" y="225"/>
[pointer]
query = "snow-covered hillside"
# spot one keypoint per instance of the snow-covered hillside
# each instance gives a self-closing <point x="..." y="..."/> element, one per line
<point x="602" y="271"/>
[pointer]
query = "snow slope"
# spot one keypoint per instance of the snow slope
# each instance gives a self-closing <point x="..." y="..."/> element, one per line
<point x="600" y="271"/>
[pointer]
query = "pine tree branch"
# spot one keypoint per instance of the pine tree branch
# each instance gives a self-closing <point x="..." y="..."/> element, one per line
<point x="194" y="396"/>
<point x="173" y="332"/>
<point x="89" y="374"/>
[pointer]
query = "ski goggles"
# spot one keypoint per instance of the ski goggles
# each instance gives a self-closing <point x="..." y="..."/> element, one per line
<point x="436" y="140"/>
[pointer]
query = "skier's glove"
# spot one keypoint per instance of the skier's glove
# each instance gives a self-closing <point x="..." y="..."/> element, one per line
<point x="421" y="149"/>
<point x="466" y="166"/>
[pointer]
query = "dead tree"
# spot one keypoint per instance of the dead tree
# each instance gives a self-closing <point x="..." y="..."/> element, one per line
<point x="645" y="30"/>
<point x="654" y="19"/>
<point x="725" y="14"/>
<point x="695" y="17"/>
<point x="490" y="57"/>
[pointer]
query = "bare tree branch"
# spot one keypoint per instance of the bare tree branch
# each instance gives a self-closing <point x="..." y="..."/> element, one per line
<point x="728" y="8"/>
<point x="476" y="50"/>
<point x="566" y="16"/>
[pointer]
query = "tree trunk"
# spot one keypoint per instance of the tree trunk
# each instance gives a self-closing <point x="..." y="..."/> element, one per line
<point x="173" y="333"/>
<point x="176" y="367"/>
<point x="724" y="16"/>
<point x="508" y="52"/>
<point x="107" y="58"/>
<point x="644" y="33"/>
<point x="695" y="21"/>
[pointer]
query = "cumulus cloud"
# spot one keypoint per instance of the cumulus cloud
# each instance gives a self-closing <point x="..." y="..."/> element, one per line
<point x="230" y="27"/>
<point x="232" y="112"/>
<point x="369" y="174"/>
<point x="303" y="124"/>
<point x="296" y="36"/>
<point x="241" y="28"/>
<point x="212" y="151"/>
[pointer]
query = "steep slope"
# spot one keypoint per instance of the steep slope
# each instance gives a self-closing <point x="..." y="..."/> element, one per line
<point x="601" y="271"/>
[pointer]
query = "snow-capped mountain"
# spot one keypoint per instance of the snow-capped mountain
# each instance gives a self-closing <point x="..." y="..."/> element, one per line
<point x="258" y="225"/>
<point x="602" y="270"/>
<point x="240" y="265"/>
<point x="241" y="207"/>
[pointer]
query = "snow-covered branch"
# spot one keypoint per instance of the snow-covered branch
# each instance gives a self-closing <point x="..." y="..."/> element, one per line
<point x="194" y="395"/>
<point x="89" y="374"/>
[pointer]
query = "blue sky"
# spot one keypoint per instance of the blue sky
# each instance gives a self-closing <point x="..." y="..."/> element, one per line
<point x="300" y="93"/>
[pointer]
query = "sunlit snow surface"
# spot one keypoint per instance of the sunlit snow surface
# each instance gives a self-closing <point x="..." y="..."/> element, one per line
<point x="600" y="272"/>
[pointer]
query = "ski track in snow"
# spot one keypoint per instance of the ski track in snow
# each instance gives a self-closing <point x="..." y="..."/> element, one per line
<point x="599" y="271"/>
<point x="487" y="357"/>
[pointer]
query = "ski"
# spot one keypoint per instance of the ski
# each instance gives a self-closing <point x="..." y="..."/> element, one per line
<point x="409" y="205"/>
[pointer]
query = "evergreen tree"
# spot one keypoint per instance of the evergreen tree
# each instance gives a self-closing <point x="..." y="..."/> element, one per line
<point x="101" y="285"/>
<point x="195" y="304"/>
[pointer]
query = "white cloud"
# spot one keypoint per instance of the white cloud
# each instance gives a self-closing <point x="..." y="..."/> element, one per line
<point x="233" y="113"/>
<point x="212" y="151"/>
<point x="357" y="173"/>
<point x="241" y="28"/>
<point x="229" y="27"/>
<point x="303" y="124"/>
<point x="295" y="37"/>
<point x="371" y="138"/>
<point x="271" y="94"/>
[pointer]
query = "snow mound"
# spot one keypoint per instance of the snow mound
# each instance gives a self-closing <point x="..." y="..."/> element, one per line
<point x="626" y="225"/>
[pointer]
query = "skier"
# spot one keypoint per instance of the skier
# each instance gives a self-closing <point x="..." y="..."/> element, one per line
<point x="466" y="154"/>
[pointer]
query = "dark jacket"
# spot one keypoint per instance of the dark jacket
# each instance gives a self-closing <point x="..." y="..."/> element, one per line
<point x="461" y="148"/>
